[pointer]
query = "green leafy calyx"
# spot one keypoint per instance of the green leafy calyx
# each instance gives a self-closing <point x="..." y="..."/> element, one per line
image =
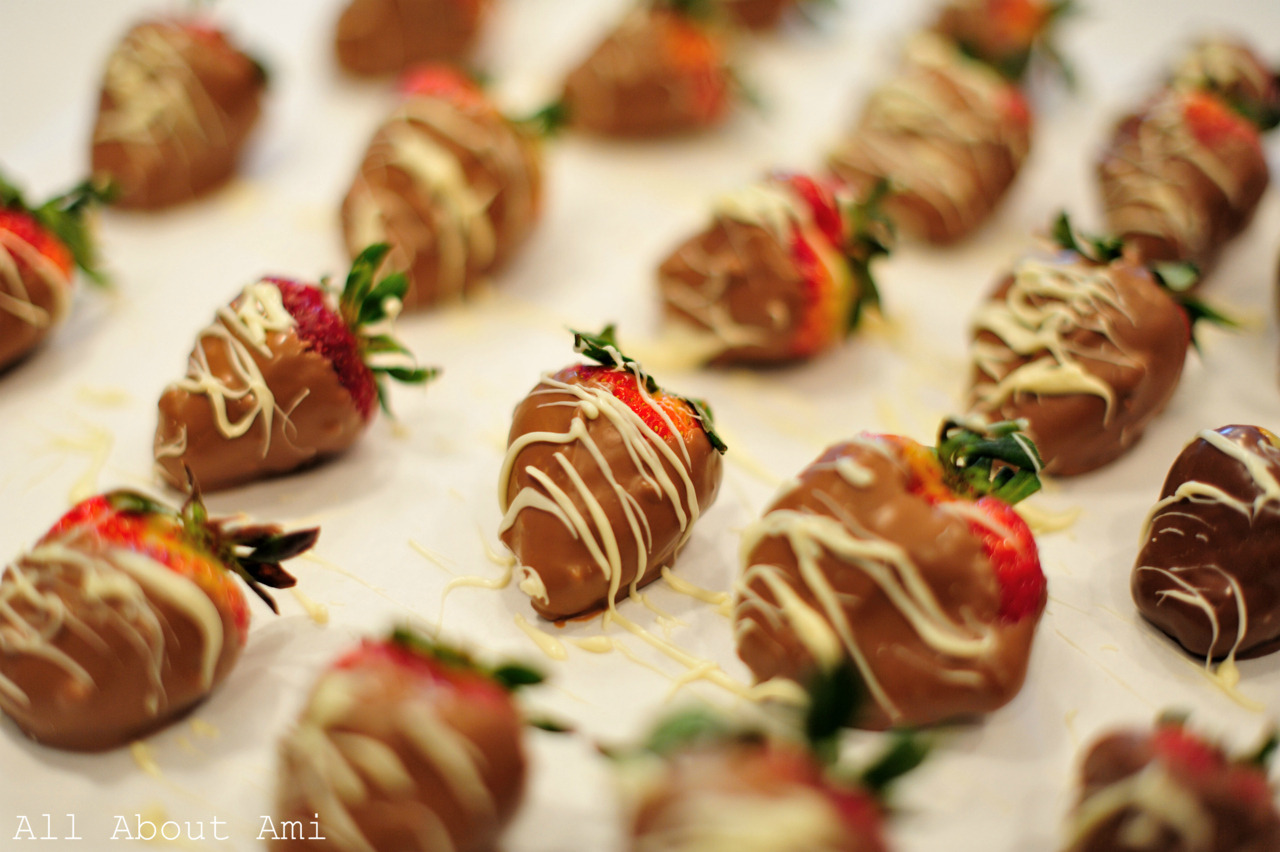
<point x="995" y="459"/>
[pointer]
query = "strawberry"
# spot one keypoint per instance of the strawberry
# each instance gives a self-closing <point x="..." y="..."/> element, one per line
<point x="1004" y="34"/>
<point x="450" y="183"/>
<point x="884" y="551"/>
<point x="39" y="250"/>
<point x="782" y="272"/>
<point x="379" y="37"/>
<point x="1225" y="803"/>
<point x="1182" y="176"/>
<point x="127" y="613"/>
<point x="700" y="783"/>
<point x="604" y="477"/>
<point x="444" y="728"/>
<point x="1086" y="345"/>
<point x="758" y="14"/>
<point x="286" y="375"/>
<point x="1230" y="69"/>
<point x="663" y="70"/>
<point x="179" y="101"/>
<point x="948" y="133"/>
<point x="1205" y="572"/>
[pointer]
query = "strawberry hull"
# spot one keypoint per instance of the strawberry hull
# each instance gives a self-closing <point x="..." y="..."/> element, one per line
<point x="595" y="501"/>
<point x="451" y="768"/>
<point x="176" y="110"/>
<point x="380" y="37"/>
<point x="101" y="644"/>
<point x="853" y="562"/>
<point x="257" y="400"/>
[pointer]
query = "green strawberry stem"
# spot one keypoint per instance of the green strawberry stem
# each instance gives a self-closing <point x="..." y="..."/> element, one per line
<point x="366" y="301"/>
<point x="510" y="676"/>
<point x="871" y="234"/>
<point x="835" y="694"/>
<point x="603" y="349"/>
<point x="997" y="459"/>
<point x="1178" y="278"/>
<point x="545" y="122"/>
<point x="905" y="751"/>
<point x="64" y="216"/>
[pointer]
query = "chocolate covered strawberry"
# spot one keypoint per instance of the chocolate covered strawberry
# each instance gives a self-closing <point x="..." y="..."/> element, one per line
<point x="1232" y="70"/>
<point x="906" y="562"/>
<point x="781" y="273"/>
<point x="388" y="36"/>
<point x="701" y="782"/>
<point x="1004" y="34"/>
<point x="1206" y="572"/>
<point x="757" y="14"/>
<point x="1182" y="176"/>
<point x="405" y="745"/>
<point x="40" y="249"/>
<point x="605" y="476"/>
<point x="663" y="70"/>
<point x="948" y="133"/>
<point x="127" y="613"/>
<point x="1173" y="789"/>
<point x="1086" y="345"/>
<point x="452" y="185"/>
<point x="286" y="375"/>
<point x="178" y="103"/>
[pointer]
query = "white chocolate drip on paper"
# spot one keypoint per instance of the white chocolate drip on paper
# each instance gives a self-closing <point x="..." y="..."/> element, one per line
<point x="116" y="586"/>
<point x="1045" y="303"/>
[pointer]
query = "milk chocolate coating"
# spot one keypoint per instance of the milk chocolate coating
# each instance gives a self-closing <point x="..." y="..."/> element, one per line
<point x="757" y="14"/>
<point x="1214" y="535"/>
<point x="630" y="85"/>
<point x="573" y="580"/>
<point x="174" y="115"/>
<point x="309" y="415"/>
<point x="377" y="37"/>
<point x="446" y="236"/>
<point x="717" y="795"/>
<point x="910" y="681"/>
<point x="1169" y="193"/>
<point x="1210" y="802"/>
<point x="34" y="298"/>
<point x="741" y="274"/>
<point x="450" y="771"/>
<point x="1132" y="338"/>
<point x="948" y="133"/>
<point x="91" y="656"/>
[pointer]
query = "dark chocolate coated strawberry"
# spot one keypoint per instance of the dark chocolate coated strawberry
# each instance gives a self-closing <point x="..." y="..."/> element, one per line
<point x="1206" y="572"/>
<point x="604" y="478"/>
<point x="906" y="562"/>
<point x="406" y="745"/>
<point x="1172" y="789"/>
<point x="286" y="375"/>
<point x="128" y="613"/>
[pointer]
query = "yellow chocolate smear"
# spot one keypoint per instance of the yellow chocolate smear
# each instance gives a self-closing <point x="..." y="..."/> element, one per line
<point x="316" y="611"/>
<point x="547" y="644"/>
<point x="145" y="758"/>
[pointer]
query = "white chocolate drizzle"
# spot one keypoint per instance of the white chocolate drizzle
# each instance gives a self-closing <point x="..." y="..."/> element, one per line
<point x="645" y="449"/>
<point x="1156" y="801"/>
<point x="823" y="626"/>
<point x="15" y="298"/>
<point x="335" y="770"/>
<point x="117" y="587"/>
<point x="1045" y="303"/>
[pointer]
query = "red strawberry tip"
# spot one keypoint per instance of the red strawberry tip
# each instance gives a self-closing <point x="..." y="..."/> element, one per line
<point x="996" y="459"/>
<point x="65" y="218"/>
<point x="603" y="349"/>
